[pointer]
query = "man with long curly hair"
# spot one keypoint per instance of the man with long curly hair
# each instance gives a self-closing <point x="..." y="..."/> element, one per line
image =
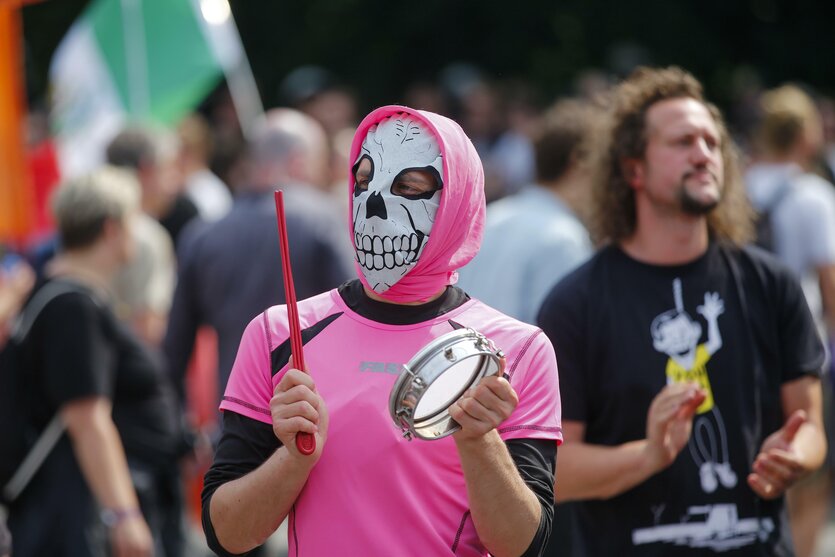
<point x="689" y="362"/>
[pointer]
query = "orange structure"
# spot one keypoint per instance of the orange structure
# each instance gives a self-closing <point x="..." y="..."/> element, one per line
<point x="16" y="196"/>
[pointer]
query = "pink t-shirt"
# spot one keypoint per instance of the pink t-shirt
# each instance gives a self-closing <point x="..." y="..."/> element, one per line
<point x="373" y="492"/>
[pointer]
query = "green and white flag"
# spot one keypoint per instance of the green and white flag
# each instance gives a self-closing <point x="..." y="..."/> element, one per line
<point x="144" y="61"/>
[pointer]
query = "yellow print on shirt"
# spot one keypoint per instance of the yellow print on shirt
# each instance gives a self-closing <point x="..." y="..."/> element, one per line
<point x="676" y="373"/>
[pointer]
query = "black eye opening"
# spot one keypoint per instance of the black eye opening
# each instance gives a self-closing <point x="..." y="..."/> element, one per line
<point x="357" y="189"/>
<point x="425" y="195"/>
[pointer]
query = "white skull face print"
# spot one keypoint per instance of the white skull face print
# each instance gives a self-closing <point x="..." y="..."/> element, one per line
<point x="397" y="191"/>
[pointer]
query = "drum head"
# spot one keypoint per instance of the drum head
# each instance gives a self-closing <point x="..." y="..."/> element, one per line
<point x="437" y="376"/>
<point x="447" y="388"/>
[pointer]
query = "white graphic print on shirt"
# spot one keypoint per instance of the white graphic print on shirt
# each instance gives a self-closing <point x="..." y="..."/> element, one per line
<point x="676" y="334"/>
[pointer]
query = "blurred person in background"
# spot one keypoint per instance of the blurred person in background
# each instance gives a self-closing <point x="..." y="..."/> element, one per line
<point x="144" y="287"/>
<point x="230" y="270"/>
<point x="480" y="106"/>
<point x="152" y="154"/>
<point x="106" y="481"/>
<point x="340" y="151"/>
<point x="826" y="107"/>
<point x="800" y="208"/>
<point x="424" y="94"/>
<point x="16" y="280"/>
<point x="209" y="194"/>
<point x="507" y="152"/>
<point x="533" y="238"/>
<point x="689" y="363"/>
<point x="799" y="203"/>
<point x="318" y="93"/>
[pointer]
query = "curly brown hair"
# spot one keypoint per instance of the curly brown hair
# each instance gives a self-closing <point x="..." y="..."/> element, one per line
<point x="623" y="136"/>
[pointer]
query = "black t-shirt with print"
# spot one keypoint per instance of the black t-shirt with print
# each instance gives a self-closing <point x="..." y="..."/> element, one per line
<point x="622" y="329"/>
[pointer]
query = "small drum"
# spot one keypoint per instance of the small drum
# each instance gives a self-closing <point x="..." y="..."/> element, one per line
<point x="436" y="377"/>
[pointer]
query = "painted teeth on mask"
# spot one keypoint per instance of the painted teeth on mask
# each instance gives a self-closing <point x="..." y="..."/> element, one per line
<point x="377" y="253"/>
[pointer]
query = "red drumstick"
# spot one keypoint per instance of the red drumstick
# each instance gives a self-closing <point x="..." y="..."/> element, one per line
<point x="305" y="442"/>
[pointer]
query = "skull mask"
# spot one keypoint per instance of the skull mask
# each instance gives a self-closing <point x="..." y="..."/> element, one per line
<point x="397" y="191"/>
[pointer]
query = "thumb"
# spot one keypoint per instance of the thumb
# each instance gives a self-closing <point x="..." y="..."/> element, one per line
<point x="792" y="425"/>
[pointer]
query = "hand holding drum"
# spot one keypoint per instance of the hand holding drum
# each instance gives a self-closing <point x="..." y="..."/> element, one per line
<point x="438" y="376"/>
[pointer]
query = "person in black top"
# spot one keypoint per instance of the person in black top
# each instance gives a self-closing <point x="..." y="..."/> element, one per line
<point x="108" y="389"/>
<point x="689" y="363"/>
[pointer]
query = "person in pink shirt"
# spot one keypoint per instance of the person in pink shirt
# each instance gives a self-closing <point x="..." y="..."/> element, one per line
<point x="416" y="216"/>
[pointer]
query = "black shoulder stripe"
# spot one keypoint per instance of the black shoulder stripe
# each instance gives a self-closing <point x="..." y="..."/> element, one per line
<point x="455" y="325"/>
<point x="281" y="354"/>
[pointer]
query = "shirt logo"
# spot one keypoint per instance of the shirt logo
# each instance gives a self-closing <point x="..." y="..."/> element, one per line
<point x="381" y="367"/>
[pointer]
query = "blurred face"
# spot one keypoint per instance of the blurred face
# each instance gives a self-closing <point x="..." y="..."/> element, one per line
<point x="333" y="109"/>
<point x="813" y="136"/>
<point x="682" y="169"/>
<point x="161" y="183"/>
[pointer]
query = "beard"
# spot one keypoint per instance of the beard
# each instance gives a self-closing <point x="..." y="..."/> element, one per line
<point x="693" y="205"/>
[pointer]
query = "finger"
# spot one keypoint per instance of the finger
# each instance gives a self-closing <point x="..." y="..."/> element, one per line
<point x="295" y="377"/>
<point x="792" y="425"/>
<point x="772" y="471"/>
<point x="478" y="411"/>
<point x="500" y="387"/>
<point x="487" y="397"/>
<point x="465" y="420"/>
<point x="502" y="367"/>
<point x="786" y="458"/>
<point x="673" y="389"/>
<point x="295" y="425"/>
<point x="688" y="407"/>
<point x="681" y="399"/>
<point x="302" y="409"/>
<point x="296" y="394"/>
<point x="674" y="394"/>
<point x="664" y="413"/>
<point x="668" y="399"/>
<point x="761" y="487"/>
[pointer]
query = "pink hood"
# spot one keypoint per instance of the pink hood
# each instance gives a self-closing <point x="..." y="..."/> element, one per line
<point x="459" y="224"/>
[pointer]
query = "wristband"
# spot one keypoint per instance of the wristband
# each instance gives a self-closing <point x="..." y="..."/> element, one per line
<point x="114" y="517"/>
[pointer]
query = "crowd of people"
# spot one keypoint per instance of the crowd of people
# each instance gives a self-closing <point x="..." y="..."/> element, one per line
<point x="664" y="303"/>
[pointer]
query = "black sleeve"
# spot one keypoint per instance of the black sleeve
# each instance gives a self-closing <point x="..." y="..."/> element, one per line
<point x="77" y="356"/>
<point x="801" y="347"/>
<point x="780" y="317"/>
<point x="536" y="461"/>
<point x="244" y="445"/>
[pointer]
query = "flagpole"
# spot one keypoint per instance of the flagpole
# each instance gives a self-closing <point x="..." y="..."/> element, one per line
<point x="136" y="60"/>
<point x="219" y="22"/>
<point x="244" y="93"/>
